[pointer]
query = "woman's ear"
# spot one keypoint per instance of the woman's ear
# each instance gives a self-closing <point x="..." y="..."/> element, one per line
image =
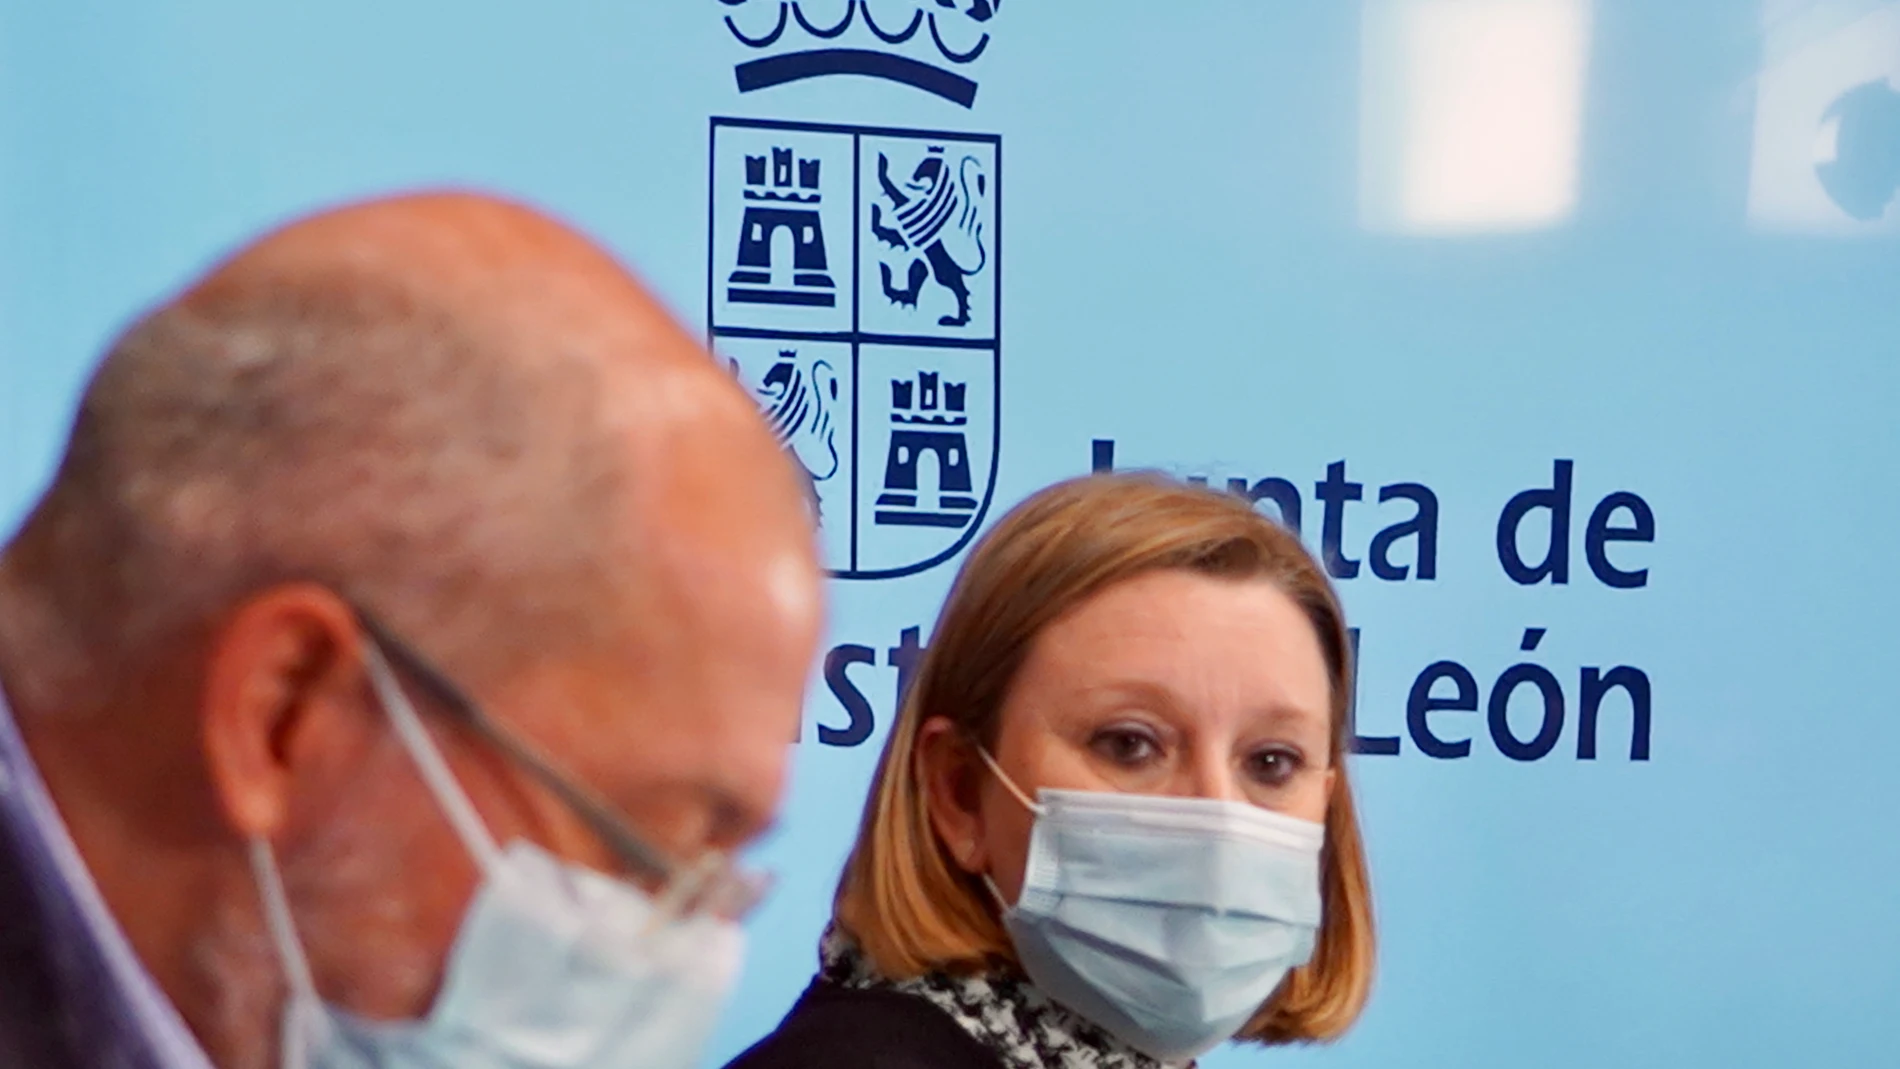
<point x="950" y="774"/>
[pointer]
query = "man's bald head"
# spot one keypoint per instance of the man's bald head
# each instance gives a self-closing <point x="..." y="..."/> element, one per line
<point x="469" y="421"/>
<point x="438" y="405"/>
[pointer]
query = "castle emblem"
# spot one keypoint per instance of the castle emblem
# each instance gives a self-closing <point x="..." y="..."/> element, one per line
<point x="781" y="204"/>
<point x="853" y="284"/>
<point x="928" y="418"/>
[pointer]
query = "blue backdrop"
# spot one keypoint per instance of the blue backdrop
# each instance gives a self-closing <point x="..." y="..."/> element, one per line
<point x="1628" y="743"/>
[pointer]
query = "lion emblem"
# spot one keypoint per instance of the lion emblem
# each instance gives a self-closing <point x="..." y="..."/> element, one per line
<point x="937" y="217"/>
<point x="797" y="397"/>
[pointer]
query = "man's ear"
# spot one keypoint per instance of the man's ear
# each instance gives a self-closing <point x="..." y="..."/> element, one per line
<point x="281" y="701"/>
<point x="951" y="779"/>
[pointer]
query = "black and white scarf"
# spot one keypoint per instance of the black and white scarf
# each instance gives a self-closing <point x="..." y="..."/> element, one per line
<point x="1004" y="1012"/>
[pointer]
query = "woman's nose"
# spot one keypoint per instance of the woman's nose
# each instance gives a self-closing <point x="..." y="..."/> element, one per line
<point x="1211" y="775"/>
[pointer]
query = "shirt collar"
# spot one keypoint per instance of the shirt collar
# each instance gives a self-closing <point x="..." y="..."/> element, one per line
<point x="81" y="922"/>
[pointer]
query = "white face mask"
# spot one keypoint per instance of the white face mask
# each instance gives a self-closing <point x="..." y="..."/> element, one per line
<point x="555" y="966"/>
<point x="1167" y="921"/>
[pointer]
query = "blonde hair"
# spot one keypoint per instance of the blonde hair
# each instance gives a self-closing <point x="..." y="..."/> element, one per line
<point x="902" y="897"/>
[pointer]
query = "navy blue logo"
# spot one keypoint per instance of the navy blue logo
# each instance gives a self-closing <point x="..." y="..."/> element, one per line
<point x="920" y="43"/>
<point x="853" y="284"/>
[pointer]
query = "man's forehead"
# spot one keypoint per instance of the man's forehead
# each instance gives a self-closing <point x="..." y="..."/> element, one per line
<point x="649" y="730"/>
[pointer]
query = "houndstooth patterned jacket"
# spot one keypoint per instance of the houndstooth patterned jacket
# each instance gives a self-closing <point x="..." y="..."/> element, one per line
<point x="1003" y="1012"/>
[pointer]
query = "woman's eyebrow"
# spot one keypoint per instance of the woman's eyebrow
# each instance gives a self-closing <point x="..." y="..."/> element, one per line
<point x="1281" y="710"/>
<point x="1156" y="694"/>
<point x="1143" y="691"/>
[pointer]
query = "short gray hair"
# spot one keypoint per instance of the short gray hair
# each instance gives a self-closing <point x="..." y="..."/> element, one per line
<point x="335" y="426"/>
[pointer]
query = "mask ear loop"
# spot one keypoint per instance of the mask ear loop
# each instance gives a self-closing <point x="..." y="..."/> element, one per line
<point x="429" y="761"/>
<point x="1028" y="803"/>
<point x="685" y="896"/>
<point x="304" y="1000"/>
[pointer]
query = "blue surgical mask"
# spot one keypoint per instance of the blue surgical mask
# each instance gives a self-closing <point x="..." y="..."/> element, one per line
<point x="1167" y="921"/>
<point x="555" y="966"/>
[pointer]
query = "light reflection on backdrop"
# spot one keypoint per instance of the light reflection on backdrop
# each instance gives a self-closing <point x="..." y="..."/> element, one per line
<point x="1471" y="113"/>
<point x="1826" y="152"/>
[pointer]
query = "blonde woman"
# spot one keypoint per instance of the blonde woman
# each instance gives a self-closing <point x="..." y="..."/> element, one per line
<point x="1112" y="826"/>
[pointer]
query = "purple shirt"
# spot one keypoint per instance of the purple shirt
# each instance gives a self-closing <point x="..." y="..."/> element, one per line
<point x="128" y="1021"/>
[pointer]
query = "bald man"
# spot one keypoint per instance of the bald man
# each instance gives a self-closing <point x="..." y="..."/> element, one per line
<point x="415" y="626"/>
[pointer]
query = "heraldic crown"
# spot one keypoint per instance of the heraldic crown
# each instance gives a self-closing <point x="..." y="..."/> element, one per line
<point x="875" y="39"/>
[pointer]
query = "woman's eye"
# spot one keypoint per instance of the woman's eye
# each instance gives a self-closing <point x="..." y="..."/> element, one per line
<point x="1273" y="767"/>
<point x="1125" y="746"/>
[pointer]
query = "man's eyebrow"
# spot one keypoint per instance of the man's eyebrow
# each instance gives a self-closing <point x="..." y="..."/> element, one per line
<point x="737" y="822"/>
